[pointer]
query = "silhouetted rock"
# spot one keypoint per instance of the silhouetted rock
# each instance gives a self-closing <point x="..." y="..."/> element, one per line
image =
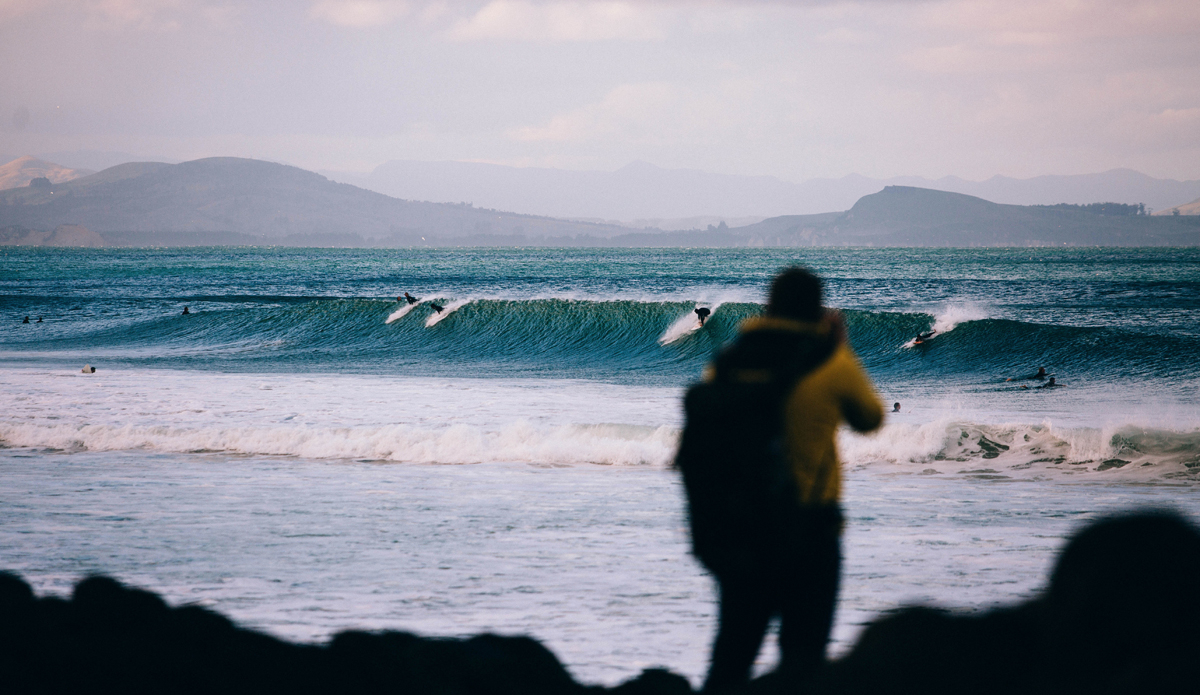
<point x="111" y="638"/>
<point x="1119" y="618"/>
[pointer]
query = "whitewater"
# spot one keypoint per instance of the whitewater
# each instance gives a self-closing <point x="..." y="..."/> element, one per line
<point x="307" y="455"/>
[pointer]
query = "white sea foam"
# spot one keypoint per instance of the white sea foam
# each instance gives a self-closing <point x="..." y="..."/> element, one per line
<point x="447" y="310"/>
<point x="400" y="313"/>
<point x="950" y="316"/>
<point x="621" y="445"/>
<point x="461" y="421"/>
<point x="950" y="445"/>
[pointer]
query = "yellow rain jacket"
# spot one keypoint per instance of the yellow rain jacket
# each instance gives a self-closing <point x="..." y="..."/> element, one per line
<point x="835" y="391"/>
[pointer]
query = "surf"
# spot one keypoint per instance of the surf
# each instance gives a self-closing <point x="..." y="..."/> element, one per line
<point x="438" y="316"/>
<point x="400" y="313"/>
<point x="687" y="324"/>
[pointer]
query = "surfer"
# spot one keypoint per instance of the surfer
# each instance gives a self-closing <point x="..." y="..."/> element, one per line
<point x="1041" y="374"/>
<point x="407" y="298"/>
<point x="703" y="313"/>
<point x="39" y="320"/>
<point x="185" y="311"/>
<point x="437" y="307"/>
<point x="26" y="320"/>
<point x="922" y="337"/>
<point x="1048" y="385"/>
<point x="895" y="407"/>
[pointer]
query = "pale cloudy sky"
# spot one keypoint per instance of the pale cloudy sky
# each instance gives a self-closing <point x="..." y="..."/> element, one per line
<point x="792" y="88"/>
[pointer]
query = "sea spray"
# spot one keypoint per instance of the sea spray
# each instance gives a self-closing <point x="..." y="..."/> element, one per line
<point x="450" y="308"/>
<point x="400" y="313"/>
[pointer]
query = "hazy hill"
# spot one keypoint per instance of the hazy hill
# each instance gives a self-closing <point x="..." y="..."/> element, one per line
<point x="1192" y="208"/>
<point x="909" y="216"/>
<point x="20" y="171"/>
<point x="258" y="199"/>
<point x="226" y="200"/>
<point x="642" y="191"/>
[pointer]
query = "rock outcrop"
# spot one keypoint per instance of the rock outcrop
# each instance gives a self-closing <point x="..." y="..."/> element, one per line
<point x="1119" y="618"/>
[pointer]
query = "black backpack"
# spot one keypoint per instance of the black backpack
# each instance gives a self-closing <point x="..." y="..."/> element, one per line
<point x="742" y="496"/>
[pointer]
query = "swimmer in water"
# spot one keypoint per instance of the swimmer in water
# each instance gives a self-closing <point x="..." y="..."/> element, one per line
<point x="895" y="407"/>
<point x="437" y="307"/>
<point x="185" y="311"/>
<point x="408" y="298"/>
<point x="1041" y="374"/>
<point x="26" y="320"/>
<point x="703" y="313"/>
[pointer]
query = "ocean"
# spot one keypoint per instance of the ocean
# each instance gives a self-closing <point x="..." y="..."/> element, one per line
<point x="306" y="454"/>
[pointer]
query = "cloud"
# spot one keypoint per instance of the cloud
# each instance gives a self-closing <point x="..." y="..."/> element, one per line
<point x="150" y="15"/>
<point x="520" y="20"/>
<point x="359" y="14"/>
<point x="629" y="110"/>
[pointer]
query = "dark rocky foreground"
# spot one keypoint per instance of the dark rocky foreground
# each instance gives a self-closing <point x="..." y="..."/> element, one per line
<point x="1121" y="615"/>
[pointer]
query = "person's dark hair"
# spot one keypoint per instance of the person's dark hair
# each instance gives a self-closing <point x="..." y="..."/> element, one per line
<point x="795" y="294"/>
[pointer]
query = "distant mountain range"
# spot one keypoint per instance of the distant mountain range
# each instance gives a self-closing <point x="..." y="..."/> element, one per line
<point x="231" y="201"/>
<point x="149" y="201"/>
<point x="642" y="194"/>
<point x="909" y="216"/>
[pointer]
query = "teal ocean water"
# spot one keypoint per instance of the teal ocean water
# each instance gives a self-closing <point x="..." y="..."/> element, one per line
<point x="1108" y="315"/>
<point x="307" y="454"/>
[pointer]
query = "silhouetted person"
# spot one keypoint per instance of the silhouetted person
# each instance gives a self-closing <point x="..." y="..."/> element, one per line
<point x="185" y="311"/>
<point x="795" y="573"/>
<point x="26" y="320"/>
<point x="922" y="337"/>
<point x="1049" y="384"/>
<point x="703" y="313"/>
<point x="437" y="307"/>
<point x="409" y="298"/>
<point x="895" y="407"/>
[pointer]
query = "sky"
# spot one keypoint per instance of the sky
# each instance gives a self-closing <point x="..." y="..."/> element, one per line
<point x="790" y="88"/>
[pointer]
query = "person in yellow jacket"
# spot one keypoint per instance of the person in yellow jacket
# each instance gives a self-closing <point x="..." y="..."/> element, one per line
<point x="796" y="336"/>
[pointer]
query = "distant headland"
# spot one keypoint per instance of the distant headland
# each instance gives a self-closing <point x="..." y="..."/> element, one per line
<point x="232" y="201"/>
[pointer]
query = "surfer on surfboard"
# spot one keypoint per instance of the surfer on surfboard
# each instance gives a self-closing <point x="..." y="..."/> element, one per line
<point x="703" y="313"/>
<point x="407" y="298"/>
<point x="922" y="337"/>
<point x="437" y="307"/>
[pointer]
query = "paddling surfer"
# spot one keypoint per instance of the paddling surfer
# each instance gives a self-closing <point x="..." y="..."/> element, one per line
<point x="1041" y="374"/>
